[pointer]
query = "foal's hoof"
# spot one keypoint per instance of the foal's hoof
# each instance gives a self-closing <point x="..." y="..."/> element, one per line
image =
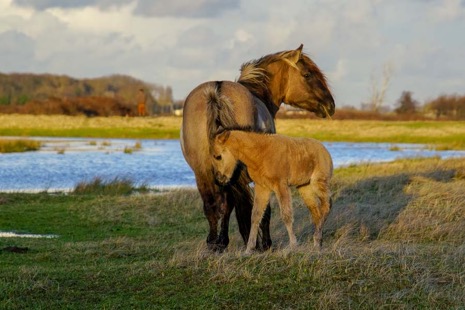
<point x="247" y="253"/>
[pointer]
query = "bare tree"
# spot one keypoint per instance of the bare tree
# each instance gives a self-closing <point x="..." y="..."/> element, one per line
<point x="378" y="90"/>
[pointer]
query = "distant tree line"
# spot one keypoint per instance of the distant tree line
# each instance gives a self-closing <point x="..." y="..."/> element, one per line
<point x="60" y="94"/>
<point x="450" y="107"/>
<point x="443" y="107"/>
<point x="118" y="95"/>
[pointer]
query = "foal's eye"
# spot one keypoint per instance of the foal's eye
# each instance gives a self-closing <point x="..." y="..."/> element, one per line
<point x="307" y="75"/>
<point x="217" y="157"/>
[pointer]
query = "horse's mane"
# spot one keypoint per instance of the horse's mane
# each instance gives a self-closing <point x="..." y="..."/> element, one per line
<point x="254" y="73"/>
<point x="256" y="79"/>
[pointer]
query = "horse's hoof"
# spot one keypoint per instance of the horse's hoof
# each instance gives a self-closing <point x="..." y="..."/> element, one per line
<point x="263" y="246"/>
<point x="216" y="247"/>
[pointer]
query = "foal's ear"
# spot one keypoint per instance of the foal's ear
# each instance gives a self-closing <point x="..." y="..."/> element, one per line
<point x="222" y="137"/>
<point x="294" y="55"/>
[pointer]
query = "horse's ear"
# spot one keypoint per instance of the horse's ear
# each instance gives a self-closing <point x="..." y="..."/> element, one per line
<point x="294" y="55"/>
<point x="223" y="137"/>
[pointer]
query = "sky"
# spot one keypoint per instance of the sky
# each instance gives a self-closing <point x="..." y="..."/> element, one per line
<point x="182" y="43"/>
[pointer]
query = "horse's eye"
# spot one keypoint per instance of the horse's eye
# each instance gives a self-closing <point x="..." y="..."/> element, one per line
<point x="306" y="75"/>
<point x="217" y="157"/>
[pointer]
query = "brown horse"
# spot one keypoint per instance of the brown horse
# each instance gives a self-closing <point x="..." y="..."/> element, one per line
<point x="290" y="77"/>
<point x="275" y="162"/>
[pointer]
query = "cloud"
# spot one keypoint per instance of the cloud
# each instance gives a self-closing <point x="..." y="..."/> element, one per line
<point x="183" y="43"/>
<point x="448" y="10"/>
<point x="69" y="4"/>
<point x="17" y="50"/>
<point x="186" y="8"/>
<point x="159" y="8"/>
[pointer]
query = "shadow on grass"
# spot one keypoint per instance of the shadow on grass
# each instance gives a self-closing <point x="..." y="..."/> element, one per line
<point x="367" y="207"/>
<point x="361" y="209"/>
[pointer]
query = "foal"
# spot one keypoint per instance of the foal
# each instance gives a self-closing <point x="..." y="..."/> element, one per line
<point x="275" y="162"/>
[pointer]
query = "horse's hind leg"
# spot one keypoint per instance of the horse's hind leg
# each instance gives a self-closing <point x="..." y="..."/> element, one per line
<point x="317" y="198"/>
<point x="226" y="208"/>
<point x="214" y="203"/>
<point x="262" y="196"/>
<point x="285" y="205"/>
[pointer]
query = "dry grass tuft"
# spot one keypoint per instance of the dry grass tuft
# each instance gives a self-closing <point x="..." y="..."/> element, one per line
<point x="18" y="145"/>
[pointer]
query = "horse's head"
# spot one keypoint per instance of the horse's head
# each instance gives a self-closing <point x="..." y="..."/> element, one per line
<point x="306" y="85"/>
<point x="224" y="163"/>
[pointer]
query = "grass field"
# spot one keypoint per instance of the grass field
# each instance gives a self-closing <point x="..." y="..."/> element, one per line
<point x="443" y="135"/>
<point x="395" y="239"/>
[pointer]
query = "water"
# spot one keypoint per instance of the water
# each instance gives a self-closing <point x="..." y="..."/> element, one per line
<point x="64" y="162"/>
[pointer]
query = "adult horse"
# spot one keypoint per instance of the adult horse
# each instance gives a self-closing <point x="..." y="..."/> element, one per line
<point x="253" y="101"/>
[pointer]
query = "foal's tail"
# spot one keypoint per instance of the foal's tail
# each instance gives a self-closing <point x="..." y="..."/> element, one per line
<point x="220" y="114"/>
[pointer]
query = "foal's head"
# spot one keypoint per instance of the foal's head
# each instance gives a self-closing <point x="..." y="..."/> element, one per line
<point x="224" y="163"/>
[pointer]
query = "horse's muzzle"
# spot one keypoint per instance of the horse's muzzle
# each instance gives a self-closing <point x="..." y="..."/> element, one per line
<point x="221" y="178"/>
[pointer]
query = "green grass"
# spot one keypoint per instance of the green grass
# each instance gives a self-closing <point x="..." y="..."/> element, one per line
<point x="442" y="135"/>
<point x="98" y="127"/>
<point x="395" y="239"/>
<point x="437" y="134"/>
<point x="130" y="133"/>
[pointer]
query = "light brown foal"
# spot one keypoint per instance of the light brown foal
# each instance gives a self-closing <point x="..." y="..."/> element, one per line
<point x="276" y="162"/>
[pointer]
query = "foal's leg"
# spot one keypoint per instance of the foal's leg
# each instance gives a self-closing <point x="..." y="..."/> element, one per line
<point x="262" y="196"/>
<point x="283" y="194"/>
<point x="316" y="196"/>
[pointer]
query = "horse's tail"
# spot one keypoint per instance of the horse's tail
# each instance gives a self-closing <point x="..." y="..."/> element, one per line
<point x="220" y="114"/>
<point x="220" y="111"/>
